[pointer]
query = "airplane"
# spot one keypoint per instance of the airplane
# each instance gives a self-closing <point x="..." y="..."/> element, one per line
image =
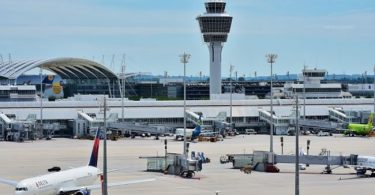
<point x="361" y="129"/>
<point x="191" y="134"/>
<point x="364" y="164"/>
<point x="76" y="181"/>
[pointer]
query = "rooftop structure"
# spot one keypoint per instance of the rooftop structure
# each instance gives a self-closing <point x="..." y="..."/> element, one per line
<point x="310" y="86"/>
<point x="66" y="68"/>
<point x="215" y="25"/>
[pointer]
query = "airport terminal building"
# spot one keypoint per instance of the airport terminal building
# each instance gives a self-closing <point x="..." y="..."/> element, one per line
<point x="24" y="113"/>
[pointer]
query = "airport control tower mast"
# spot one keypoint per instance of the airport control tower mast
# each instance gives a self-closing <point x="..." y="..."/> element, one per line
<point x="215" y="25"/>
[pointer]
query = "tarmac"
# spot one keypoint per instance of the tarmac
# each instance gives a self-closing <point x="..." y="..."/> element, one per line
<point x="28" y="159"/>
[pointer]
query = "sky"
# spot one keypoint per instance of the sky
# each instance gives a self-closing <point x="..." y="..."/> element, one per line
<point x="336" y="35"/>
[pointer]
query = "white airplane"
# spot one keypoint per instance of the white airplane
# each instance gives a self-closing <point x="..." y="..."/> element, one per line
<point x="364" y="164"/>
<point x="77" y="181"/>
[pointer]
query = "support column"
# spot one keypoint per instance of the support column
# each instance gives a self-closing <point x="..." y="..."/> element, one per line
<point x="215" y="49"/>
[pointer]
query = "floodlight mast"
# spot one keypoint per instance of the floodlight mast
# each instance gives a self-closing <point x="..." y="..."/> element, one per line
<point x="184" y="58"/>
<point x="271" y="58"/>
<point x="304" y="93"/>
<point x="123" y="80"/>
<point x="105" y="170"/>
<point x="231" y="98"/>
<point x="215" y="26"/>
<point x="41" y="99"/>
<point x="297" y="149"/>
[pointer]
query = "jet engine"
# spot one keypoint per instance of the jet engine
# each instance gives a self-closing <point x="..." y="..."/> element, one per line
<point x="82" y="192"/>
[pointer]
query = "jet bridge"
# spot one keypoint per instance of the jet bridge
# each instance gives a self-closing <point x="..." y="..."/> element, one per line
<point x="281" y="123"/>
<point x="132" y="129"/>
<point x="174" y="163"/>
<point x="87" y="123"/>
<point x="13" y="129"/>
<point x="199" y="119"/>
<point x="347" y="116"/>
<point x="218" y="123"/>
<point x="260" y="160"/>
<point x="315" y="126"/>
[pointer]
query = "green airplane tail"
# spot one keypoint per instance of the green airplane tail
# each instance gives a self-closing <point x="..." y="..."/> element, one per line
<point x="371" y="119"/>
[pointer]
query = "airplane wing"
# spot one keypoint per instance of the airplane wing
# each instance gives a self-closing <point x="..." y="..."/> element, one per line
<point x="99" y="186"/>
<point x="8" y="182"/>
<point x="110" y="171"/>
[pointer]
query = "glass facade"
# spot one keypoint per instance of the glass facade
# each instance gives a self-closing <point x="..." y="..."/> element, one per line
<point x="215" y="7"/>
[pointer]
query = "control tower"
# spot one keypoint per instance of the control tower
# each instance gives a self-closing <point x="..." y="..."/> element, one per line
<point x="215" y="25"/>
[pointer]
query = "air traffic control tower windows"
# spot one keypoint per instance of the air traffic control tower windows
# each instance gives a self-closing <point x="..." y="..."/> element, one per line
<point x="216" y="24"/>
<point x="314" y="74"/>
<point x="215" y="7"/>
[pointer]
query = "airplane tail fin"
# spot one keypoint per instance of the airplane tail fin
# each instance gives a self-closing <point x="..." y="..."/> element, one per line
<point x="95" y="150"/>
<point x="371" y="119"/>
<point x="197" y="131"/>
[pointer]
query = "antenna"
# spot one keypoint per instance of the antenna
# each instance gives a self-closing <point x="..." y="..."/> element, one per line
<point x="10" y="58"/>
<point x="123" y="63"/>
<point x="112" y="66"/>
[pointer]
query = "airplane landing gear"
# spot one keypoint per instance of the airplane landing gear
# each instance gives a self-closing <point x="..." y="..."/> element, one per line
<point x="327" y="170"/>
<point x="361" y="172"/>
<point x="187" y="174"/>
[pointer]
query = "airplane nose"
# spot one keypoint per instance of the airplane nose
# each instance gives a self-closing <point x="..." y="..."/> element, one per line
<point x="20" y="193"/>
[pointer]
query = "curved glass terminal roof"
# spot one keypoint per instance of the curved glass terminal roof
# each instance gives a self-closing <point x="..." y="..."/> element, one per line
<point x="66" y="68"/>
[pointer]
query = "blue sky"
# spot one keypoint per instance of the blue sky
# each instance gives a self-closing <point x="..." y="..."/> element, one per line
<point x="338" y="35"/>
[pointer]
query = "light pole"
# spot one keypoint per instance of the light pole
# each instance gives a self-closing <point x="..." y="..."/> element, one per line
<point x="271" y="59"/>
<point x="304" y="93"/>
<point x="297" y="150"/>
<point x="231" y="92"/>
<point x="185" y="59"/>
<point x="123" y="87"/>
<point x="41" y="100"/>
<point x="374" y="88"/>
<point x="105" y="179"/>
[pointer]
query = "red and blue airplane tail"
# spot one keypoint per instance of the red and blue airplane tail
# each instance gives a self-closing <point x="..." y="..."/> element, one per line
<point x="95" y="150"/>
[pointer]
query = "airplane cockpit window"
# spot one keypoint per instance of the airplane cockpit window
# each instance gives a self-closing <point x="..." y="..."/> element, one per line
<point x="21" y="189"/>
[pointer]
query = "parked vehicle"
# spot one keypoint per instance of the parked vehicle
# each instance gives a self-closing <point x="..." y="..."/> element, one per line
<point x="323" y="133"/>
<point x="250" y="132"/>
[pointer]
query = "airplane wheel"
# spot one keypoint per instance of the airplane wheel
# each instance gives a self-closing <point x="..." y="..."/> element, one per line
<point x="361" y="172"/>
<point x="190" y="174"/>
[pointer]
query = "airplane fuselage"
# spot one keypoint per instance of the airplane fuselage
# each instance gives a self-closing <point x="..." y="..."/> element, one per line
<point x="53" y="183"/>
<point x="366" y="162"/>
<point x="359" y="129"/>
